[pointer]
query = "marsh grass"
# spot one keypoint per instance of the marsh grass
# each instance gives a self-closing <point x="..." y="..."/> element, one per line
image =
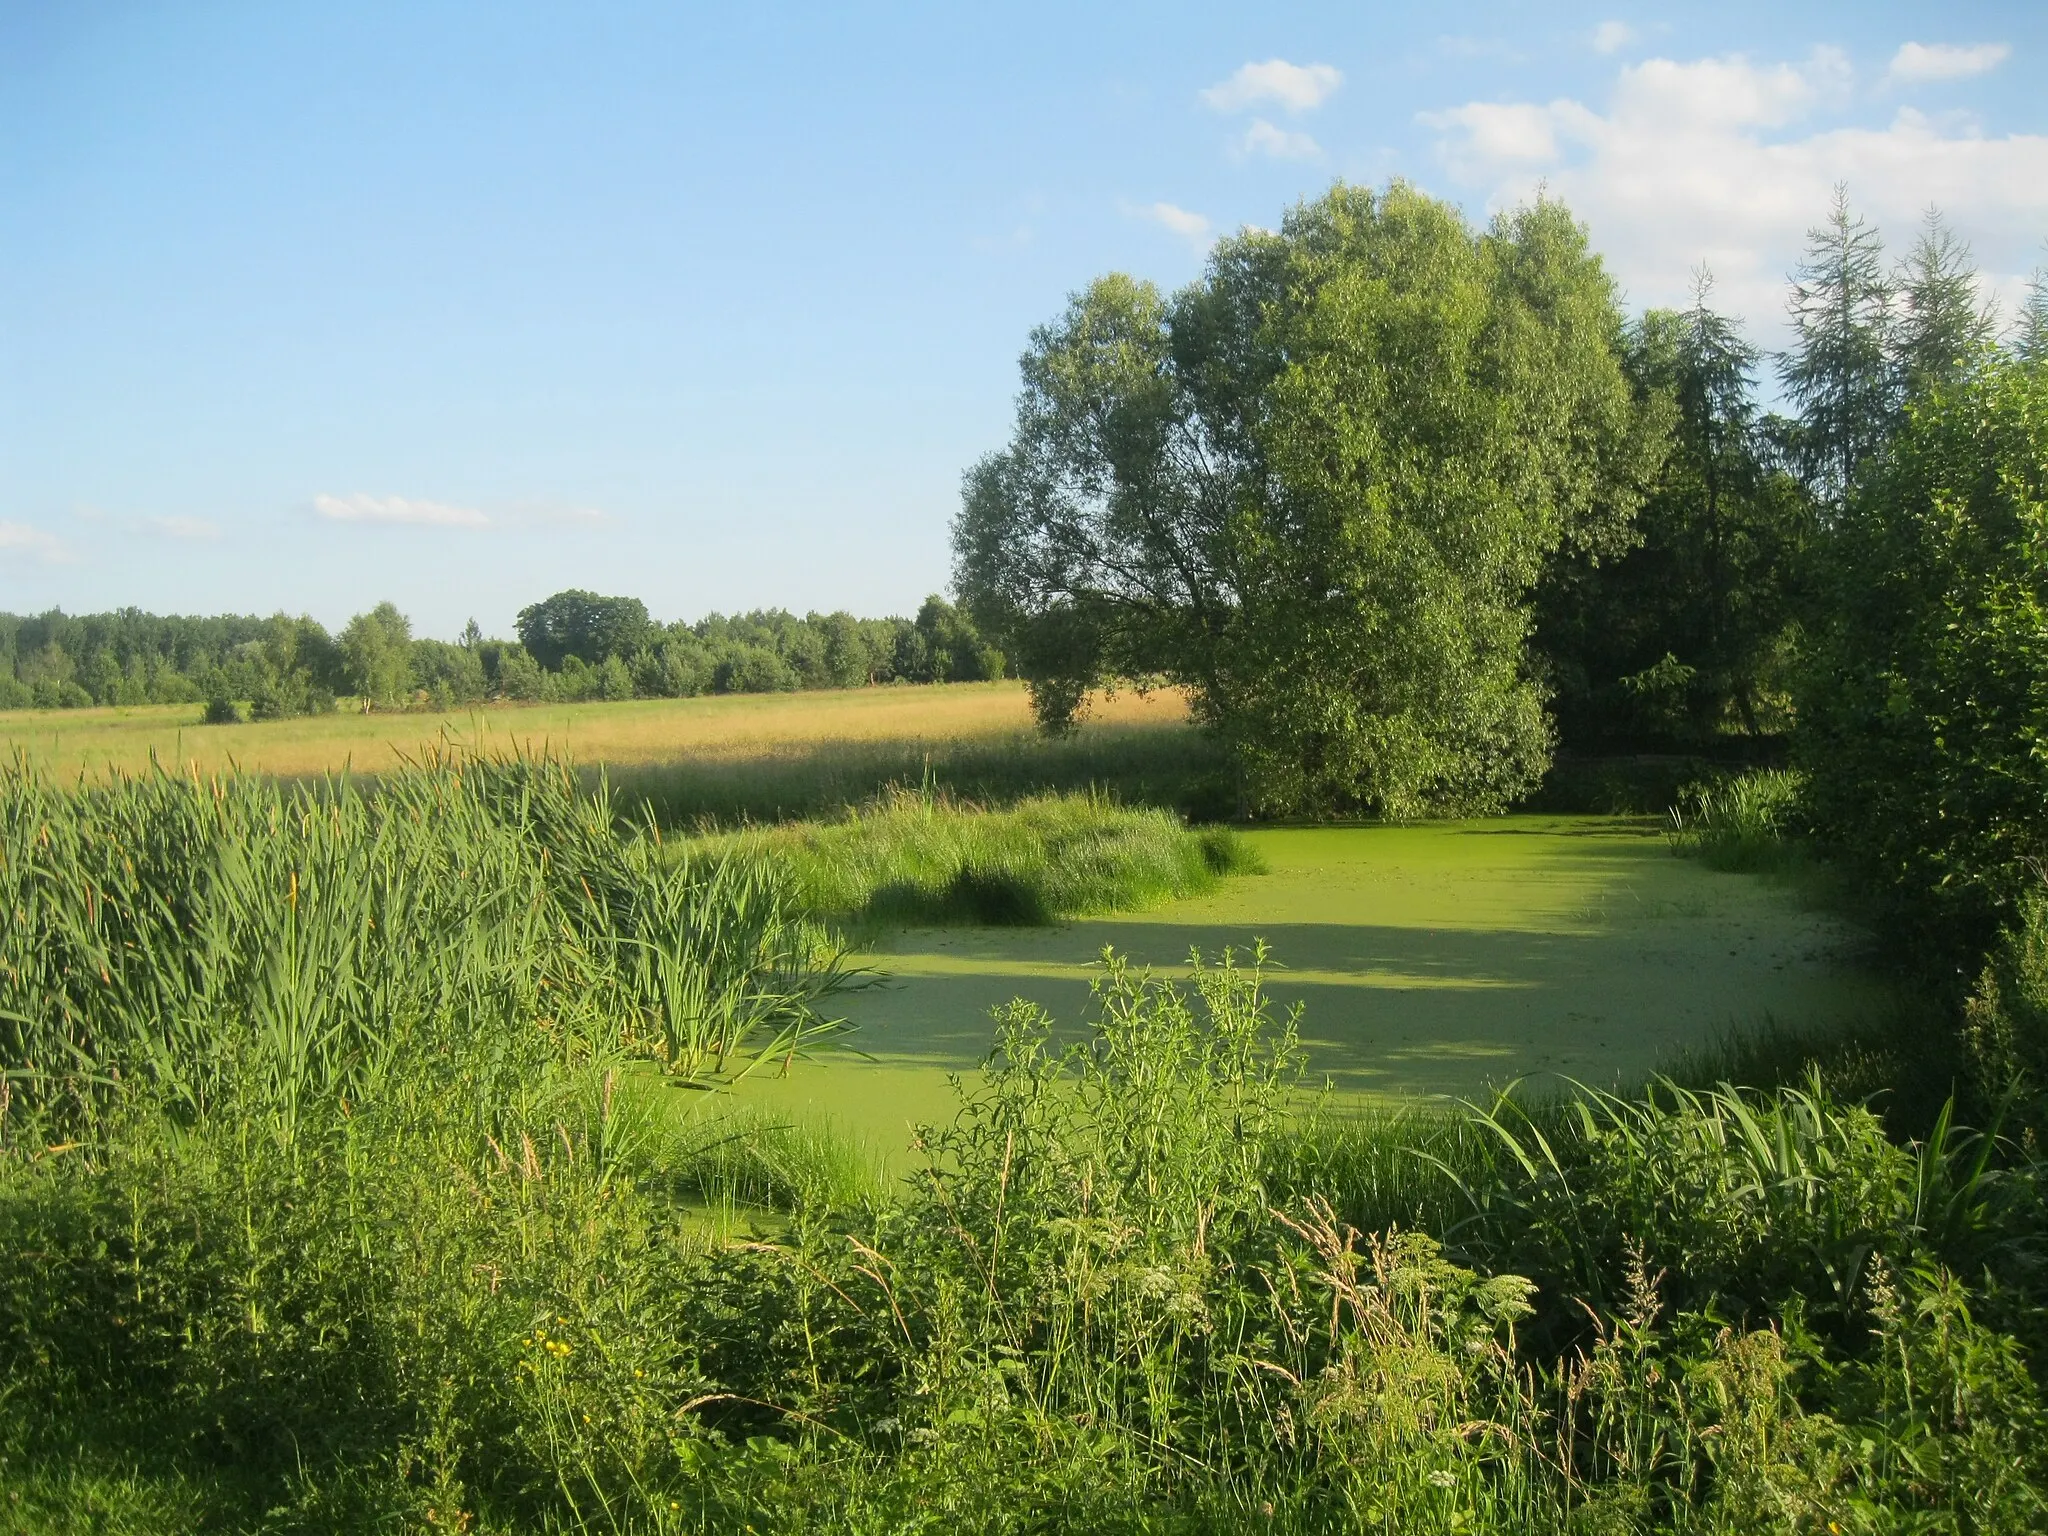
<point x="1743" y="822"/>
<point x="923" y="857"/>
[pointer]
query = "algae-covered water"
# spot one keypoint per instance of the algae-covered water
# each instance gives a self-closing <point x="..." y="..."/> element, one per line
<point x="1432" y="960"/>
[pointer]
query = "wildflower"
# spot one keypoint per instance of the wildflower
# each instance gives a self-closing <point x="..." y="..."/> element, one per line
<point x="1442" y="1479"/>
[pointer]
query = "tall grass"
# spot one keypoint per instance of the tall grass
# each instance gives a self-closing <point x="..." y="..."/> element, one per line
<point x="197" y="932"/>
<point x="1743" y="822"/>
<point x="920" y="856"/>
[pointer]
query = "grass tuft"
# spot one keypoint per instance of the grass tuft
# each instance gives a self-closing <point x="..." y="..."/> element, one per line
<point x="922" y="857"/>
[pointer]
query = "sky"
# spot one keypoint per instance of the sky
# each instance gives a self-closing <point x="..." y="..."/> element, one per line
<point x="304" y="307"/>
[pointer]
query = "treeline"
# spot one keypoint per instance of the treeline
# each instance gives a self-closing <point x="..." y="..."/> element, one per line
<point x="1406" y="505"/>
<point x="575" y="645"/>
<point x="1702" y="626"/>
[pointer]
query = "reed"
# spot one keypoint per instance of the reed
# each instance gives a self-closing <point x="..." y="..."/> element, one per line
<point x="194" y="930"/>
<point x="922" y="856"/>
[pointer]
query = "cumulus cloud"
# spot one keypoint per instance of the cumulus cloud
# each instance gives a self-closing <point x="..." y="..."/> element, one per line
<point x="1192" y="227"/>
<point x="1263" y="138"/>
<point x="1915" y="62"/>
<point x="361" y="508"/>
<point x="182" y="527"/>
<point x="21" y="541"/>
<point x="1730" y="161"/>
<point x="1612" y="36"/>
<point x="1294" y="87"/>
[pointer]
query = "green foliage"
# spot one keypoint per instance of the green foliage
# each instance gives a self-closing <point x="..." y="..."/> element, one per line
<point x="2006" y="1017"/>
<point x="949" y="649"/>
<point x="1315" y="489"/>
<point x="594" y="648"/>
<point x="376" y="657"/>
<point x="1839" y="371"/>
<point x="191" y="934"/>
<point x="1689" y="633"/>
<point x="582" y="624"/>
<point x="1128" y="1290"/>
<point x="920" y="857"/>
<point x="1942" y="326"/>
<point x="1743" y="822"/>
<point x="1921" y="714"/>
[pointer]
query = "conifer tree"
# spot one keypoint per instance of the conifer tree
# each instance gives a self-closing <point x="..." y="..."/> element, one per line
<point x="1941" y="322"/>
<point x="1839" y="371"/>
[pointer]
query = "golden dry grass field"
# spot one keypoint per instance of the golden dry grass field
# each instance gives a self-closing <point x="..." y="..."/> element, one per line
<point x="636" y="734"/>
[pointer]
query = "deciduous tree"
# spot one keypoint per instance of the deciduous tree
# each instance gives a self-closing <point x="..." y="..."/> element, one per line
<point x="1314" y="489"/>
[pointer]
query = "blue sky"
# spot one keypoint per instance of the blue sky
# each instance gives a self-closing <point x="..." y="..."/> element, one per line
<point x="305" y="307"/>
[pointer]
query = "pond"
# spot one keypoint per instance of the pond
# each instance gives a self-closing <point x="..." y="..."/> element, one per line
<point x="1428" y="960"/>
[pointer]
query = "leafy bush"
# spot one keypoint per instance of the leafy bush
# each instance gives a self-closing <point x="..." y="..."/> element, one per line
<point x="1922" y="713"/>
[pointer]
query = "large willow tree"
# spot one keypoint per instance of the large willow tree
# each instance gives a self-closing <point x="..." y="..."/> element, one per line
<point x="1314" y="488"/>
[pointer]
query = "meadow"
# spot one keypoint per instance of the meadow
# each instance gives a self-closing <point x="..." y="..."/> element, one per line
<point x="638" y="733"/>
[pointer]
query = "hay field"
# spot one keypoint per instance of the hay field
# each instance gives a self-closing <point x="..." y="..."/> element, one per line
<point x="635" y="734"/>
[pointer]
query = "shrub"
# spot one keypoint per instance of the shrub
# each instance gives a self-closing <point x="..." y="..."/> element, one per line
<point x="1922" y="711"/>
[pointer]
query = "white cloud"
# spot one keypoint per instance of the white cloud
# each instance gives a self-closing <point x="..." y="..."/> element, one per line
<point x="1263" y="138"/>
<point x="19" y="539"/>
<point x="1730" y="162"/>
<point x="1612" y="36"/>
<point x="1191" y="227"/>
<point x="1296" y="87"/>
<point x="182" y="527"/>
<point x="1946" y="61"/>
<point x="361" y="508"/>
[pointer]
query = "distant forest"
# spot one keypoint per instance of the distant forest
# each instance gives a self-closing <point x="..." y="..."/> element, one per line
<point x="576" y="645"/>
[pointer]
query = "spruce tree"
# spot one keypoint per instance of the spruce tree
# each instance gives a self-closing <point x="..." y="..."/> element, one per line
<point x="1840" y="371"/>
<point x="2030" y="336"/>
<point x="1941" y="323"/>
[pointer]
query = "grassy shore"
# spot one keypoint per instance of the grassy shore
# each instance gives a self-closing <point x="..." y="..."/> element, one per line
<point x="921" y="857"/>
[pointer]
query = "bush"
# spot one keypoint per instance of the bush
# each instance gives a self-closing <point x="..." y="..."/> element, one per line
<point x="1921" y="714"/>
<point x="753" y="669"/>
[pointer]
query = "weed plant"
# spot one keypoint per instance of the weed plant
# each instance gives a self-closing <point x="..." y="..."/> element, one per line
<point x="921" y="856"/>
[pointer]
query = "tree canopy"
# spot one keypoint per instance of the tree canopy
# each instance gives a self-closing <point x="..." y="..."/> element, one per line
<point x="1690" y="632"/>
<point x="1314" y="489"/>
<point x="582" y="624"/>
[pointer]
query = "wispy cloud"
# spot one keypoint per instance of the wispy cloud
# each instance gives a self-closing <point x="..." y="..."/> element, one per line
<point x="1293" y="87"/>
<point x="29" y="543"/>
<point x="1915" y="62"/>
<point x="1612" y="36"/>
<point x="362" y="508"/>
<point x="1191" y="227"/>
<point x="181" y="527"/>
<point x="1263" y="138"/>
